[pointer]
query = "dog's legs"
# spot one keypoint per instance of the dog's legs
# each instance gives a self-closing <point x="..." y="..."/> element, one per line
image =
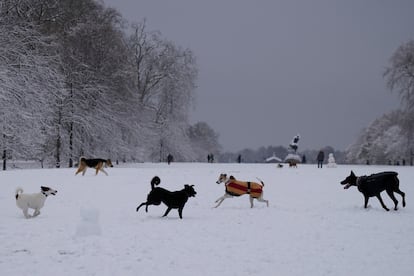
<point x="36" y="213"/>
<point x="261" y="199"/>
<point x="219" y="202"/>
<point x="402" y="194"/>
<point x="221" y="199"/>
<point x="382" y="202"/>
<point x="218" y="199"/>
<point x="26" y="213"/>
<point x="391" y="195"/>
<point x="366" y="198"/>
<point x="398" y="191"/>
<point x="84" y="171"/>
<point x="80" y="169"/>
<point x="166" y="212"/>
<point x="142" y="204"/>
<point x="180" y="212"/>
<point x="251" y="201"/>
<point x="102" y="170"/>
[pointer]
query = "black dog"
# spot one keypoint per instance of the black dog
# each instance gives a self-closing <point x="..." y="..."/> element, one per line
<point x="174" y="200"/>
<point x="374" y="184"/>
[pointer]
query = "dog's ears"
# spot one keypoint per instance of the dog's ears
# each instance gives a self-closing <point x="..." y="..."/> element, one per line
<point x="45" y="189"/>
<point x="352" y="173"/>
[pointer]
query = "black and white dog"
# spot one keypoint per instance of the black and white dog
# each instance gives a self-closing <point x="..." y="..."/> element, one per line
<point x="32" y="201"/>
<point x="374" y="184"/>
<point x="173" y="200"/>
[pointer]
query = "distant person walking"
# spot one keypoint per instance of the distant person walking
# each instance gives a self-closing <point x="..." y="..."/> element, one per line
<point x="210" y="158"/>
<point x="239" y="158"/>
<point x="170" y="159"/>
<point x="320" y="158"/>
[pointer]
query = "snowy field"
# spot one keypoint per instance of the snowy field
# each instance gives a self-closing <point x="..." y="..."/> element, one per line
<point x="311" y="227"/>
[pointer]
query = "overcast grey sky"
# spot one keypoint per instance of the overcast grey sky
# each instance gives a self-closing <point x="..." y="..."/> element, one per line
<point x="271" y="69"/>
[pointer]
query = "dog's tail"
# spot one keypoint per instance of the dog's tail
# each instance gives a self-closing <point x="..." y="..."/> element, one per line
<point x="155" y="181"/>
<point x="19" y="191"/>
<point x="260" y="181"/>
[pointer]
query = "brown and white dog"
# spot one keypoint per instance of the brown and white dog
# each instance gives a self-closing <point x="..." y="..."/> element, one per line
<point x="237" y="188"/>
<point x="32" y="201"/>
<point x="96" y="163"/>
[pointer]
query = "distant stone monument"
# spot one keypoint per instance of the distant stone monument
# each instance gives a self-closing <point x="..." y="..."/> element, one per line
<point x="331" y="161"/>
<point x="294" y="143"/>
<point x="293" y="158"/>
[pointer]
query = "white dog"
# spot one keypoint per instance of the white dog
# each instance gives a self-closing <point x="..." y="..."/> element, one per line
<point x="33" y="201"/>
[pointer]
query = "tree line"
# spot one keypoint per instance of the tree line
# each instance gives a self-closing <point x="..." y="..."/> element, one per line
<point x="262" y="153"/>
<point x="77" y="79"/>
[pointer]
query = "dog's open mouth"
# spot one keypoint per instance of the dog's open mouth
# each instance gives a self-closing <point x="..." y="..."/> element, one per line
<point x="347" y="186"/>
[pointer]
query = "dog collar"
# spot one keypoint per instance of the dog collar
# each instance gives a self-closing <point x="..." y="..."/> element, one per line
<point x="359" y="180"/>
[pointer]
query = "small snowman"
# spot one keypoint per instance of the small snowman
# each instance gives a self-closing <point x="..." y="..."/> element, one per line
<point x="331" y="161"/>
<point x="89" y="224"/>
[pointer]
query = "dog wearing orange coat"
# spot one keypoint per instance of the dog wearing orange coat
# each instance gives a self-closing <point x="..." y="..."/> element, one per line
<point x="236" y="187"/>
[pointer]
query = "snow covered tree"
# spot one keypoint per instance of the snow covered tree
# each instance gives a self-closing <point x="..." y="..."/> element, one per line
<point x="95" y="91"/>
<point x="30" y="78"/>
<point x="400" y="74"/>
<point x="382" y="142"/>
<point x="400" y="78"/>
<point x="90" y="66"/>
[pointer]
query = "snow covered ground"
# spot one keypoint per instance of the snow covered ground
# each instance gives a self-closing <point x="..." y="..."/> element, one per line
<point x="312" y="226"/>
